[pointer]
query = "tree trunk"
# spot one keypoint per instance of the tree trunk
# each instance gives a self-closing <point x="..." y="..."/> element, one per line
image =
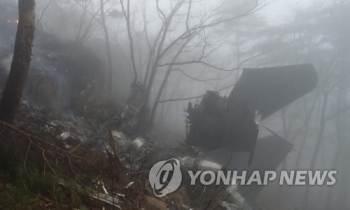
<point x="12" y="94"/>
<point x="165" y="80"/>
<point x="341" y="162"/>
<point x="317" y="148"/>
<point x="109" y="55"/>
<point x="159" y="94"/>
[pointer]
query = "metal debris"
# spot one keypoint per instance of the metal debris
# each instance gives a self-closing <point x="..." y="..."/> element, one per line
<point x="65" y="135"/>
<point x="107" y="199"/>
<point x="128" y="185"/>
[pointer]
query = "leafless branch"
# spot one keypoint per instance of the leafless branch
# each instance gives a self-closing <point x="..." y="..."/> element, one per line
<point x="194" y="97"/>
<point x="188" y="16"/>
<point x="196" y="79"/>
<point x="44" y="10"/>
<point x="131" y="40"/>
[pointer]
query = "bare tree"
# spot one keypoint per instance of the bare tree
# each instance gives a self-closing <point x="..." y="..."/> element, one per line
<point x="109" y="55"/>
<point x="126" y="14"/>
<point x="86" y="25"/>
<point x="165" y="79"/>
<point x="12" y="94"/>
<point x="84" y="33"/>
<point x="167" y="46"/>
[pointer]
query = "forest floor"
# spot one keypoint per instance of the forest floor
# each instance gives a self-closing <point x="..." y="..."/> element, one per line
<point x="55" y="161"/>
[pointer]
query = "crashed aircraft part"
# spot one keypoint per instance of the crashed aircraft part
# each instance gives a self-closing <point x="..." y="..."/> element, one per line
<point x="218" y="122"/>
<point x="199" y="164"/>
<point x="268" y="90"/>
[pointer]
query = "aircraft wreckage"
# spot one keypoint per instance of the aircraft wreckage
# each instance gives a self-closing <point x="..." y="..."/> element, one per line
<point x="233" y="123"/>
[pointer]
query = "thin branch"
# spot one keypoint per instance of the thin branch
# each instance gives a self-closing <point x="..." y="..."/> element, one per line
<point x="198" y="62"/>
<point x="131" y="40"/>
<point x="92" y="14"/>
<point x="194" y="97"/>
<point x="188" y="16"/>
<point x="30" y="137"/>
<point x="196" y="78"/>
<point x="44" y="10"/>
<point x="160" y="46"/>
<point x="160" y="13"/>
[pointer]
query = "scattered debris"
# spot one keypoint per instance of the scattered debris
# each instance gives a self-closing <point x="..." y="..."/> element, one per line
<point x="115" y="172"/>
<point x="65" y="135"/>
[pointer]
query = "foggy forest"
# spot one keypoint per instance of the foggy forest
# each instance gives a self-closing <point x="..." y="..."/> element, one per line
<point x="95" y="92"/>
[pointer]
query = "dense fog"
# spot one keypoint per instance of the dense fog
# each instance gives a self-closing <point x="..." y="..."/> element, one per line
<point x="179" y="49"/>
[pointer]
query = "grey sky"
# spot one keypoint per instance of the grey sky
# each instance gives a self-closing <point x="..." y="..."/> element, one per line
<point x="278" y="11"/>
